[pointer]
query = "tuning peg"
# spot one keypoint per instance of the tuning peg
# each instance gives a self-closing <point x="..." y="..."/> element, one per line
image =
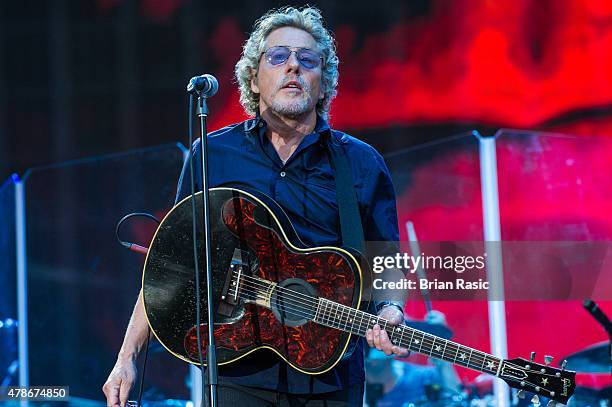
<point x="548" y="359"/>
<point x="521" y="394"/>
<point x="531" y="358"/>
<point x="551" y="403"/>
<point x="535" y="400"/>
<point x="558" y="374"/>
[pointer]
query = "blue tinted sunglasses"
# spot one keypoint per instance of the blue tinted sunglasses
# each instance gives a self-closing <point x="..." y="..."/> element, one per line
<point x="278" y="55"/>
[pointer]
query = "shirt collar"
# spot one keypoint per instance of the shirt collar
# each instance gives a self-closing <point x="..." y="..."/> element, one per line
<point x="250" y="126"/>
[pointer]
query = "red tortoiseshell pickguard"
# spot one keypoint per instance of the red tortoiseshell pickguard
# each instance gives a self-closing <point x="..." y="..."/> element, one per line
<point x="309" y="346"/>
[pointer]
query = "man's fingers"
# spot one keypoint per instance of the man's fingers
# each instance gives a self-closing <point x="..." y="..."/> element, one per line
<point x="384" y="340"/>
<point x="126" y="385"/>
<point x="373" y="337"/>
<point x="385" y="344"/>
<point x="376" y="332"/>
<point x="378" y="338"/>
<point x="370" y="338"/>
<point x="116" y="401"/>
<point x="118" y="385"/>
<point x="400" y="351"/>
<point x="377" y="335"/>
<point x="111" y="390"/>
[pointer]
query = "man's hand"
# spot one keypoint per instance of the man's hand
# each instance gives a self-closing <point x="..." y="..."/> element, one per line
<point x="119" y="382"/>
<point x="378" y="338"/>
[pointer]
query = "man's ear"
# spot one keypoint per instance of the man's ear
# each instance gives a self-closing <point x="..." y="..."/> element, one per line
<point x="254" y="86"/>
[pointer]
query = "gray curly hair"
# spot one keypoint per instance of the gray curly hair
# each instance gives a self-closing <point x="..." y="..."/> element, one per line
<point x="308" y="19"/>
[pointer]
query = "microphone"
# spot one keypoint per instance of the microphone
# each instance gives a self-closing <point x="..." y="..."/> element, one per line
<point x="204" y="85"/>
<point x="594" y="310"/>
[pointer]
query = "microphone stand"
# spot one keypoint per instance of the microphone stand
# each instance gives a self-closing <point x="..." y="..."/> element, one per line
<point x="591" y="307"/>
<point x="211" y="349"/>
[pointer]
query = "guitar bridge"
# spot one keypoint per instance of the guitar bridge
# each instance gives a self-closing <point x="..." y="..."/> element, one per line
<point x="235" y="273"/>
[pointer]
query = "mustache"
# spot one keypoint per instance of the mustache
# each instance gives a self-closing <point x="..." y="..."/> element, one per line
<point x="303" y="84"/>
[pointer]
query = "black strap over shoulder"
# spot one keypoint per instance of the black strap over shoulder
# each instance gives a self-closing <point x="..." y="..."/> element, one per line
<point x="350" y="218"/>
<point x="351" y="227"/>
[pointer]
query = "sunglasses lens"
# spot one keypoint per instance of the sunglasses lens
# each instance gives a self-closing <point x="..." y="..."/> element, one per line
<point x="309" y="59"/>
<point x="278" y="55"/>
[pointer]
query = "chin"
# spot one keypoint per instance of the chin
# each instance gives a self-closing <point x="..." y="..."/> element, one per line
<point x="292" y="110"/>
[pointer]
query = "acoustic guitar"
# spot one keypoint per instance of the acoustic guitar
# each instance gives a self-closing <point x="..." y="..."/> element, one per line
<point x="270" y="291"/>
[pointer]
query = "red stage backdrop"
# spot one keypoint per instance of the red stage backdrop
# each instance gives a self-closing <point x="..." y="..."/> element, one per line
<point x="532" y="64"/>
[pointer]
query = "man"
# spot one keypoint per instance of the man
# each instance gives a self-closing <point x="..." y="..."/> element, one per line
<point x="287" y="77"/>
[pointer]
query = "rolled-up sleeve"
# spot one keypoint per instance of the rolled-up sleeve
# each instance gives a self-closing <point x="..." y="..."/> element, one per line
<point x="380" y="222"/>
<point x="380" y="225"/>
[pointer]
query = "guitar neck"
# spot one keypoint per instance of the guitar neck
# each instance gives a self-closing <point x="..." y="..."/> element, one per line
<point x="525" y="375"/>
<point x="354" y="321"/>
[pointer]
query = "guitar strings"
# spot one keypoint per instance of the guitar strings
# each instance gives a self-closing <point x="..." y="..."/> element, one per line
<point x="248" y="295"/>
<point x="294" y="311"/>
<point x="473" y="359"/>
<point x="425" y="336"/>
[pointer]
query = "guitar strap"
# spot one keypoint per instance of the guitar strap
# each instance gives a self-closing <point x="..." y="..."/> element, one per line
<point x="351" y="227"/>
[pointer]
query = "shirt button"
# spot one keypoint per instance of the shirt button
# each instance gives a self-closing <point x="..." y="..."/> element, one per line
<point x="283" y="173"/>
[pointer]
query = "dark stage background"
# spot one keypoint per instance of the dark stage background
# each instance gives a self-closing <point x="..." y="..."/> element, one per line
<point x="84" y="78"/>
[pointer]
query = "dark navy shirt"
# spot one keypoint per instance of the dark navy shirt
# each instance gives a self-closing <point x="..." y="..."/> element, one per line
<point x="241" y="156"/>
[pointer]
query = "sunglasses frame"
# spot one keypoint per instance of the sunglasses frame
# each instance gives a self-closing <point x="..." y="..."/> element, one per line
<point x="291" y="51"/>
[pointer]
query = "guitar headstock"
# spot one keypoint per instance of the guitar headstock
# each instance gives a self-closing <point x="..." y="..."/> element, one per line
<point x="543" y="380"/>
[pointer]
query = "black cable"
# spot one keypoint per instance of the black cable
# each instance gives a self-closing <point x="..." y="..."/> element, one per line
<point x="128" y="245"/>
<point x="125" y="243"/>
<point x="195" y="250"/>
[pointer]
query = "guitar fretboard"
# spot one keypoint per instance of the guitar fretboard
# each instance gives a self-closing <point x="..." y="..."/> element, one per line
<point x="357" y="322"/>
<point x="354" y="321"/>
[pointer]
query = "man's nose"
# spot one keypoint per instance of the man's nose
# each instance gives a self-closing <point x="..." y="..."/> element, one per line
<point x="293" y="65"/>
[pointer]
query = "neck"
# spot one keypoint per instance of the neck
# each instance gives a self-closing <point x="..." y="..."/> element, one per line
<point x="286" y="133"/>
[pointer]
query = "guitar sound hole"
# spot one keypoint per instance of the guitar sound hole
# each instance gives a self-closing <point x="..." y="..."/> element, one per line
<point x="294" y="302"/>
